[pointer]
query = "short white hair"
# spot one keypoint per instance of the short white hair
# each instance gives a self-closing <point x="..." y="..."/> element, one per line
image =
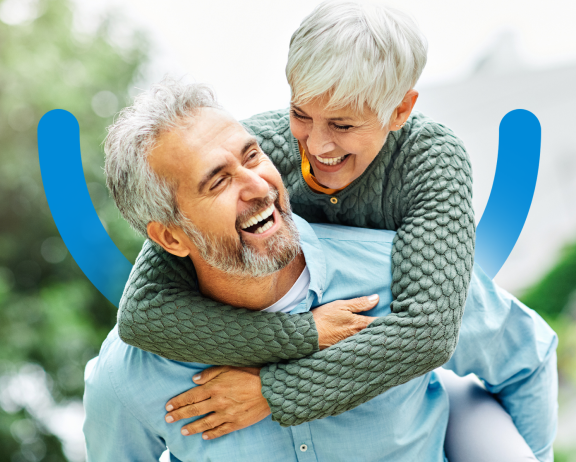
<point x="140" y="194"/>
<point x="357" y="53"/>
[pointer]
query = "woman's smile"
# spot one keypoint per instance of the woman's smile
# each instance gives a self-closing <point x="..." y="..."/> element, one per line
<point x="329" y="164"/>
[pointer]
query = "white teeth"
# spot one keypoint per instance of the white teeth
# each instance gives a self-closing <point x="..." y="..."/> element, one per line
<point x="330" y="160"/>
<point x="259" y="217"/>
<point x="266" y="227"/>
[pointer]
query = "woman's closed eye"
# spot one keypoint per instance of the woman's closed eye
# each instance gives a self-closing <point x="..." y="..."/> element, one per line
<point x="342" y="128"/>
<point x="298" y="116"/>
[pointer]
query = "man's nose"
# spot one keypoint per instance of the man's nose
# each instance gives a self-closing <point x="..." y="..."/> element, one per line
<point x="253" y="186"/>
<point x="320" y="140"/>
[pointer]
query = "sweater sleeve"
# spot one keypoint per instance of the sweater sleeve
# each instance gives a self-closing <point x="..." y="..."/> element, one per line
<point x="432" y="259"/>
<point x="163" y="312"/>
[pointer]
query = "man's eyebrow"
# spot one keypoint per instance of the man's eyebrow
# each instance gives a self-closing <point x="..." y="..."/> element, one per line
<point x="331" y="118"/>
<point x="249" y="143"/>
<point x="212" y="173"/>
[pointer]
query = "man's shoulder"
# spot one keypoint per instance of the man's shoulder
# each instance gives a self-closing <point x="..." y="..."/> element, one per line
<point x="104" y="373"/>
<point x="125" y="363"/>
<point x="134" y="378"/>
<point x="112" y="365"/>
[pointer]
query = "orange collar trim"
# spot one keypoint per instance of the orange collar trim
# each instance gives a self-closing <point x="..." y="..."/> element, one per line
<point x="310" y="179"/>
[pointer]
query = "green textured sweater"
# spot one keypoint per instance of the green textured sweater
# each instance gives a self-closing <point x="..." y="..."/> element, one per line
<point x="419" y="185"/>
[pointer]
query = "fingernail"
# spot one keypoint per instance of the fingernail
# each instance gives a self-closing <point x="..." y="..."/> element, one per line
<point x="373" y="298"/>
<point x="197" y="377"/>
<point x="185" y="432"/>
<point x="204" y="437"/>
<point x="169" y="419"/>
<point x="169" y="407"/>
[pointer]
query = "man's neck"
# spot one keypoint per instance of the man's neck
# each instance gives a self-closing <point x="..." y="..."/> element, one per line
<point x="248" y="292"/>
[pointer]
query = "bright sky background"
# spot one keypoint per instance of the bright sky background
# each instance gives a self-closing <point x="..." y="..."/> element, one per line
<point x="240" y="47"/>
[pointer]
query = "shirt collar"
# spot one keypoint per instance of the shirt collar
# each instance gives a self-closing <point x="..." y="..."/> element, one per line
<point x="314" y="255"/>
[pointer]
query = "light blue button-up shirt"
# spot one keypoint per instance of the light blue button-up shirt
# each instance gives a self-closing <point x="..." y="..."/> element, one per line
<point x="502" y="341"/>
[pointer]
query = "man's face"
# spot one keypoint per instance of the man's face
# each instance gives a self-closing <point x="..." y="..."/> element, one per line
<point x="231" y="193"/>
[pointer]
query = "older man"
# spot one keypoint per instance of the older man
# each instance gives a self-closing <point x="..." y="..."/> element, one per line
<point x="235" y="226"/>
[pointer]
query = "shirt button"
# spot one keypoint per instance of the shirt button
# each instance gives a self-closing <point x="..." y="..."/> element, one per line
<point x="334" y="200"/>
<point x="303" y="448"/>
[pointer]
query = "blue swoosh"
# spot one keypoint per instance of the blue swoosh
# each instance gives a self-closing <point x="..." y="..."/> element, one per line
<point x="71" y="206"/>
<point x="108" y="269"/>
<point x="512" y="190"/>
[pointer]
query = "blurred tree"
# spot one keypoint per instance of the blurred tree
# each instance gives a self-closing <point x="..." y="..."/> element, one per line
<point x="556" y="291"/>
<point x="554" y="298"/>
<point x="50" y="314"/>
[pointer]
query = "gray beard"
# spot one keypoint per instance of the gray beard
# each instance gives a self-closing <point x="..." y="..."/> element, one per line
<point x="236" y="257"/>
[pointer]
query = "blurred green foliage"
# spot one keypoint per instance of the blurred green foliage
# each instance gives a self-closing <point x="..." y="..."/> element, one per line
<point x="556" y="292"/>
<point x="50" y="314"/>
<point x="554" y="298"/>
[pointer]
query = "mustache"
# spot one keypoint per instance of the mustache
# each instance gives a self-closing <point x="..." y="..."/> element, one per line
<point x="258" y="205"/>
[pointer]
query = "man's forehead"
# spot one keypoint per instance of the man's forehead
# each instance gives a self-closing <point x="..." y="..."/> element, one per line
<point x="197" y="142"/>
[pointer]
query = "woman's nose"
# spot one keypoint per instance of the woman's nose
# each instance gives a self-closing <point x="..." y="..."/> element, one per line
<point x="319" y="141"/>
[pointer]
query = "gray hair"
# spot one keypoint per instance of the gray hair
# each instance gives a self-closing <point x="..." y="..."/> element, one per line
<point x="140" y="194"/>
<point x="357" y="53"/>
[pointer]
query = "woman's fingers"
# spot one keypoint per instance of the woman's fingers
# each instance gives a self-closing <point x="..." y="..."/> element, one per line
<point x="192" y="396"/>
<point x="191" y="410"/>
<point x="208" y="374"/>
<point x="341" y="319"/>
<point x="221" y="430"/>
<point x="207" y="423"/>
<point x="357" y="305"/>
<point x="235" y="402"/>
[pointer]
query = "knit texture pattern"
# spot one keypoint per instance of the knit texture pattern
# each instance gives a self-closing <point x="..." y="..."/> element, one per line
<point x="419" y="185"/>
<point x="163" y="312"/>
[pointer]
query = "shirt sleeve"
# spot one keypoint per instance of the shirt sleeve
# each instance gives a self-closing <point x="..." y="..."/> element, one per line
<point x="163" y="312"/>
<point x="112" y="432"/>
<point x="513" y="351"/>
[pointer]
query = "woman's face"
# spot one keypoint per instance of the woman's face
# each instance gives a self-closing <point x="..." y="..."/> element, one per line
<point x="340" y="143"/>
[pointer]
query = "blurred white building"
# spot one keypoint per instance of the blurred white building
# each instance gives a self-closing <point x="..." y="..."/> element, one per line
<point x="473" y="108"/>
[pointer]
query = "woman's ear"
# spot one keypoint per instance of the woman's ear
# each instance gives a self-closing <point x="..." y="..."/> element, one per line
<point x="403" y="111"/>
<point x="170" y="239"/>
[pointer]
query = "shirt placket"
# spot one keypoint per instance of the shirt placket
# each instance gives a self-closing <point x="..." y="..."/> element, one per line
<point x="303" y="446"/>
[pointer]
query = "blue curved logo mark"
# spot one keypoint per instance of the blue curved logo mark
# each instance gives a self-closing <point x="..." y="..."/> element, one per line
<point x="512" y="190"/>
<point x="71" y="206"/>
<point x="108" y="269"/>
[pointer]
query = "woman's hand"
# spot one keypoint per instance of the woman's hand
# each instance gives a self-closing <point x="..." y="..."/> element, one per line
<point x="338" y="320"/>
<point x="231" y="396"/>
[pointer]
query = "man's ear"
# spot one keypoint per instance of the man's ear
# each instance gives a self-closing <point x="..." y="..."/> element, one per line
<point x="403" y="111"/>
<point x="170" y="239"/>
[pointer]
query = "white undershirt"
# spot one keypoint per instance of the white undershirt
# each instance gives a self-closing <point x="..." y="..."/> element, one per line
<point x="294" y="296"/>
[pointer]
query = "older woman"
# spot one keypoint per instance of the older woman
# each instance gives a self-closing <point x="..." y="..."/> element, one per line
<point x="351" y="152"/>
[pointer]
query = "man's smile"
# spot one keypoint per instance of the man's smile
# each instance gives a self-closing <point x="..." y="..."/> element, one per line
<point x="260" y="222"/>
<point x="265" y="227"/>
